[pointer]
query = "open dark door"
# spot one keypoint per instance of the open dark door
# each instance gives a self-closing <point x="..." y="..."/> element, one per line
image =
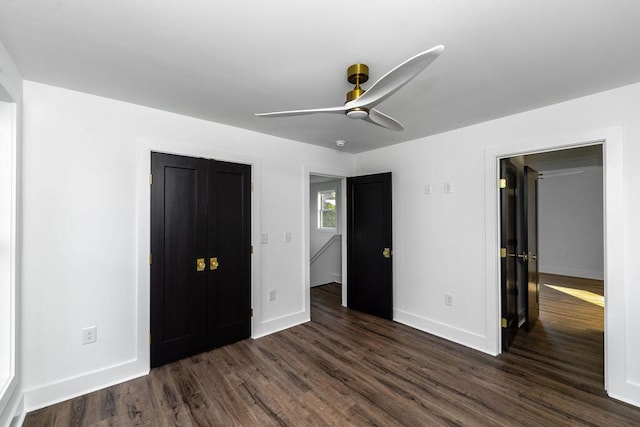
<point x="532" y="297"/>
<point x="369" y="266"/>
<point x="508" y="251"/>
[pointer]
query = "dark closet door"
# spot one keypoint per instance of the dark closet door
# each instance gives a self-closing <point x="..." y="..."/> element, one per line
<point x="178" y="239"/>
<point x="229" y="301"/>
<point x="369" y="266"/>
<point x="201" y="255"/>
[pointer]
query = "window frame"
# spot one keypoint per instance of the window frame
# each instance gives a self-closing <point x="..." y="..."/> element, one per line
<point x="321" y="211"/>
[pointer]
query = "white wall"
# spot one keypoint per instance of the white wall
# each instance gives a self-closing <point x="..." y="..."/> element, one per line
<point x="327" y="268"/>
<point x="85" y="243"/>
<point x="441" y="243"/>
<point x="11" y="403"/>
<point x="570" y="224"/>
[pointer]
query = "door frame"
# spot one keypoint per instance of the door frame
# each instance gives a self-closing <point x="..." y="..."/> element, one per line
<point x="613" y="205"/>
<point x="341" y="174"/>
<point x="142" y="357"/>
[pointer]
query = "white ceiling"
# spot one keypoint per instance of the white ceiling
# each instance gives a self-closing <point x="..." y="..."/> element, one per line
<point x="225" y="60"/>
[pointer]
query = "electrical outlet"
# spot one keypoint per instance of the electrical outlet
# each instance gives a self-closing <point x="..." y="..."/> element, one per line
<point x="264" y="238"/>
<point x="287" y="237"/>
<point x="427" y="189"/>
<point x="272" y="294"/>
<point x="89" y="335"/>
<point x="448" y="187"/>
<point x="448" y="299"/>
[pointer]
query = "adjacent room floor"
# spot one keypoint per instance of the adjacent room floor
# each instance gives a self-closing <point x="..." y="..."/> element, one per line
<point x="348" y="368"/>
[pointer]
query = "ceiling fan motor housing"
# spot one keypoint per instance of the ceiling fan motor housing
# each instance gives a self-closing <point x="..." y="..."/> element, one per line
<point x="357" y="74"/>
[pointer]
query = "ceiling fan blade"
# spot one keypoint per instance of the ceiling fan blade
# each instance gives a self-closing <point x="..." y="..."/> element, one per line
<point x="379" y="118"/>
<point x="388" y="84"/>
<point x="340" y="109"/>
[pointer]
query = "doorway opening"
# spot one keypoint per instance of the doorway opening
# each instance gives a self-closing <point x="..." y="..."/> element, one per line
<point x="360" y="207"/>
<point x="325" y="230"/>
<point x="553" y="236"/>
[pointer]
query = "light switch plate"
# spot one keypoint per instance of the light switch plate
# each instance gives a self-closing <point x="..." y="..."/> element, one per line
<point x="264" y="238"/>
<point x="448" y="187"/>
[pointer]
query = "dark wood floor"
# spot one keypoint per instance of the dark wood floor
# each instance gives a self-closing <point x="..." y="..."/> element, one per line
<point x="347" y="368"/>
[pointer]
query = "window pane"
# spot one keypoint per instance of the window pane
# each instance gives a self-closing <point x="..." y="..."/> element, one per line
<point x="329" y="200"/>
<point x="329" y="219"/>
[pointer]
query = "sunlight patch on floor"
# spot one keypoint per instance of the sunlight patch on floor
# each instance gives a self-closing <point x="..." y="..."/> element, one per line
<point x="581" y="294"/>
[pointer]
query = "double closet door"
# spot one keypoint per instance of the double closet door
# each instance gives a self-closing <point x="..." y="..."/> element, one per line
<point x="200" y="255"/>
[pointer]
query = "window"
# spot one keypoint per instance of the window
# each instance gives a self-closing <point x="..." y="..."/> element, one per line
<point x="7" y="291"/>
<point x="327" y="210"/>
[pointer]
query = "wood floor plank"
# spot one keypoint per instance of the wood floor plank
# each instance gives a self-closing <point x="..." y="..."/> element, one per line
<point x="347" y="368"/>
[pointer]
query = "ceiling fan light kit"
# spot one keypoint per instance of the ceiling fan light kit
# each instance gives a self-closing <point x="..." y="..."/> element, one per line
<point x="360" y="102"/>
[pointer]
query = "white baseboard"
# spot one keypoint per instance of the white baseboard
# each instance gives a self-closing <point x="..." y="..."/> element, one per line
<point x="572" y="272"/>
<point x="460" y="336"/>
<point x="49" y="394"/>
<point x="271" y="326"/>
<point x="629" y="394"/>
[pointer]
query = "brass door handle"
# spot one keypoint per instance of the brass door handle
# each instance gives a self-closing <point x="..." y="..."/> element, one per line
<point x="200" y="264"/>
<point x="213" y="263"/>
<point x="386" y="253"/>
<point x="523" y="256"/>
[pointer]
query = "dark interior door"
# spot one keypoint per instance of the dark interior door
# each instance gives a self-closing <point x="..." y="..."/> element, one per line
<point x="508" y="249"/>
<point x="229" y="302"/>
<point x="201" y="255"/>
<point x="369" y="266"/>
<point x="530" y="192"/>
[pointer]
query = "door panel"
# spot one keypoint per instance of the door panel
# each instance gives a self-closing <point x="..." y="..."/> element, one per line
<point x="531" y="229"/>
<point x="509" y="257"/>
<point x="369" y="272"/>
<point x="230" y="242"/>
<point x="178" y="238"/>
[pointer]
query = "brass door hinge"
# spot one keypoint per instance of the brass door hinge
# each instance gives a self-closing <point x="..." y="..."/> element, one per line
<point x="252" y="186"/>
<point x="503" y="252"/>
<point x="150" y="179"/>
<point x="503" y="183"/>
<point x="504" y="322"/>
<point x="251" y="249"/>
<point x="150" y="259"/>
<point x="251" y="313"/>
<point x="149" y="338"/>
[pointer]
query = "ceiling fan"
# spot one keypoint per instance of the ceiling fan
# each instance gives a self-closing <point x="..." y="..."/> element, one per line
<point x="360" y="103"/>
